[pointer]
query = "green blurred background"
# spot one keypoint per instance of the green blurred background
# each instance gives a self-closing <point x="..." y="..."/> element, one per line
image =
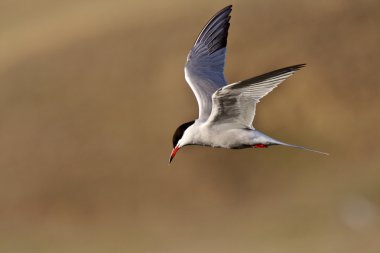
<point x="91" y="92"/>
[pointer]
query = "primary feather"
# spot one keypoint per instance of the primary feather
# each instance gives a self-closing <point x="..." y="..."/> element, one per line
<point x="236" y="103"/>
<point x="204" y="69"/>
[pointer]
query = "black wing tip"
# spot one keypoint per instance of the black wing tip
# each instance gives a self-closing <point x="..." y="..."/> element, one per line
<point x="273" y="73"/>
<point x="228" y="7"/>
<point x="221" y="40"/>
<point x="289" y="69"/>
<point x="227" y="10"/>
<point x="297" y="67"/>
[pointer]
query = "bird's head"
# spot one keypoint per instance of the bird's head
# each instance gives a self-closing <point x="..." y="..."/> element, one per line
<point x="178" y="141"/>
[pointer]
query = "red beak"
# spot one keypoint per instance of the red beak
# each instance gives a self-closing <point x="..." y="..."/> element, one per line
<point x="172" y="155"/>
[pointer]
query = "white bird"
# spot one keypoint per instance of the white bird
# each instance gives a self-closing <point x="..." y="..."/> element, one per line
<point x="226" y="111"/>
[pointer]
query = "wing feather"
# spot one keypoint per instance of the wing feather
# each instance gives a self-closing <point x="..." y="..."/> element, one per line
<point x="236" y="103"/>
<point x="204" y="69"/>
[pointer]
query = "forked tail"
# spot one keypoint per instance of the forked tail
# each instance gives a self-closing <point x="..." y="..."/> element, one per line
<point x="300" y="147"/>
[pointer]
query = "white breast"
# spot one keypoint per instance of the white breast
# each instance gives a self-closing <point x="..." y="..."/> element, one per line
<point x="222" y="136"/>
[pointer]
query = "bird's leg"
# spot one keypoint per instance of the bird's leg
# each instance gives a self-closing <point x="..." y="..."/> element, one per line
<point x="260" y="145"/>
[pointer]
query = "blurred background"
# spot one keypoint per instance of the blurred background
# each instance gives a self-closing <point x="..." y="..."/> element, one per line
<point x="92" y="91"/>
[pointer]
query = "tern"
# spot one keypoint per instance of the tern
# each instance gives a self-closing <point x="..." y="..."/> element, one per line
<point x="226" y="111"/>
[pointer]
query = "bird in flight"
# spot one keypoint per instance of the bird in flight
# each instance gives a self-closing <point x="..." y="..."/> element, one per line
<point x="226" y="111"/>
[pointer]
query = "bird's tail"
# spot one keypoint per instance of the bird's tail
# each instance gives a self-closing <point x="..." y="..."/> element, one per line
<point x="299" y="147"/>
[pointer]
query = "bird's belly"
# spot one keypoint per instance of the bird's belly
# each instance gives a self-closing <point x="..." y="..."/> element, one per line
<point x="227" y="138"/>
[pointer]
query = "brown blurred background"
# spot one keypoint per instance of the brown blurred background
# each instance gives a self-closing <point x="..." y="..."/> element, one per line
<point x="91" y="92"/>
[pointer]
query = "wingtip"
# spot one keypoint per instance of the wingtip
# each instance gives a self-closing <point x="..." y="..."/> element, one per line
<point x="228" y="8"/>
<point x="298" y="66"/>
<point x="302" y="65"/>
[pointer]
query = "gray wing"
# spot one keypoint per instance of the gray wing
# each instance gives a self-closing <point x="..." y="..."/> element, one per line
<point x="204" y="69"/>
<point x="236" y="103"/>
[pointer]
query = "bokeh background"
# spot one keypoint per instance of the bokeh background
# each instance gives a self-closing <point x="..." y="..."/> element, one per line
<point x="91" y="92"/>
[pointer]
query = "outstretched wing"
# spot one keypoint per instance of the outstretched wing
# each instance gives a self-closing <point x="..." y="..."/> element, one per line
<point x="236" y="103"/>
<point x="204" y="69"/>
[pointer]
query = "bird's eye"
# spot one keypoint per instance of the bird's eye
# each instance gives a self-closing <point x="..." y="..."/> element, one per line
<point x="179" y="132"/>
